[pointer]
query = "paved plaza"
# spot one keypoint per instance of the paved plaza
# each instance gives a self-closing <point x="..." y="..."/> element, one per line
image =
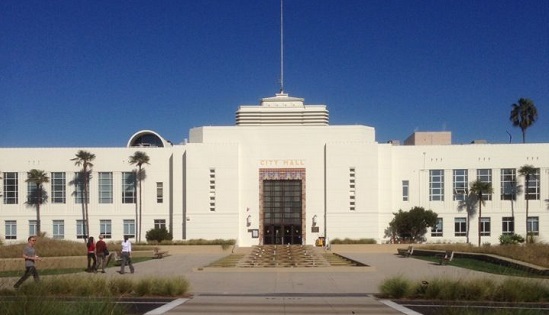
<point x="328" y="290"/>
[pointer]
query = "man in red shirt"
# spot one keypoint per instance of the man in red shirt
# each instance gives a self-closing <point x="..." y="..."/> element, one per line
<point x="102" y="253"/>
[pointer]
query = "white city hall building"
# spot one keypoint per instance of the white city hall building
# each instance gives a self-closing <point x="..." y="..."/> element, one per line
<point x="281" y="175"/>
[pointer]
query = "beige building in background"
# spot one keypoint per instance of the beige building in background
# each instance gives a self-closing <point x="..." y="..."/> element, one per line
<point x="280" y="175"/>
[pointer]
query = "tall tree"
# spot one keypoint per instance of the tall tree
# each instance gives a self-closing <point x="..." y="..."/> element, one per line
<point x="523" y="114"/>
<point x="469" y="205"/>
<point x="479" y="189"/>
<point x="37" y="196"/>
<point x="528" y="171"/>
<point x="139" y="158"/>
<point x="84" y="159"/>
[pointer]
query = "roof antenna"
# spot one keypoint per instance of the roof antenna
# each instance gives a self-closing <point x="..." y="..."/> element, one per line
<point x="281" y="46"/>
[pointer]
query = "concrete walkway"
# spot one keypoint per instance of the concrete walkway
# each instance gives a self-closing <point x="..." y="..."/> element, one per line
<point x="321" y="290"/>
<point x="331" y="290"/>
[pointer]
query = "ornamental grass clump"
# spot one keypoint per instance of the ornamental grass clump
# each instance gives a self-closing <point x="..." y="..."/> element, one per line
<point x="511" y="290"/>
<point x="96" y="287"/>
<point x="397" y="287"/>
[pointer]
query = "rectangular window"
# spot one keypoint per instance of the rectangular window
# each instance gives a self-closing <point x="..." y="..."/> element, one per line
<point x="105" y="187"/>
<point x="105" y="228"/>
<point x="352" y="189"/>
<point x="32" y="227"/>
<point x="160" y="192"/>
<point x="128" y="187"/>
<point x="507" y="225"/>
<point x="31" y="194"/>
<point x="485" y="176"/>
<point x="129" y="228"/>
<point x="532" y="187"/>
<point x="59" y="229"/>
<point x="159" y="223"/>
<point x="11" y="188"/>
<point x="58" y="187"/>
<point x="460" y="228"/>
<point x="11" y="229"/>
<point x="80" y="229"/>
<point x="79" y="186"/>
<point x="461" y="182"/>
<point x="436" y="185"/>
<point x="212" y="189"/>
<point x="405" y="190"/>
<point x="436" y="231"/>
<point x="485" y="227"/>
<point x="533" y="225"/>
<point x="508" y="184"/>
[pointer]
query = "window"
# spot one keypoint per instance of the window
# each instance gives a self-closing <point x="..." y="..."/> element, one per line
<point x="79" y="187"/>
<point x="59" y="229"/>
<point x="532" y="187"/>
<point x="533" y="225"/>
<point x="436" y="230"/>
<point x="105" y="187"/>
<point x="485" y="226"/>
<point x="485" y="176"/>
<point x="80" y="229"/>
<point x="212" y="189"/>
<point x="405" y="190"/>
<point x="352" y="189"/>
<point x="460" y="184"/>
<point x="507" y="225"/>
<point x="105" y="228"/>
<point x="460" y="228"/>
<point x="159" y="223"/>
<point x="58" y="191"/>
<point x="11" y="229"/>
<point x="11" y="187"/>
<point x="31" y="194"/>
<point x="508" y="184"/>
<point x="32" y="227"/>
<point x="436" y="185"/>
<point x="160" y="192"/>
<point x="128" y="187"/>
<point x="129" y="228"/>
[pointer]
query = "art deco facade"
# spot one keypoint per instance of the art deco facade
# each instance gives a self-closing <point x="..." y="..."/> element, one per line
<point x="282" y="174"/>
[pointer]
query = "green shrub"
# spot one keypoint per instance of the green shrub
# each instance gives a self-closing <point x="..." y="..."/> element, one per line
<point x="158" y="235"/>
<point x="510" y="239"/>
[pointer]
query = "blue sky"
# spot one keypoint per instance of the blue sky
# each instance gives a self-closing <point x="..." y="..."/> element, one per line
<point x="92" y="73"/>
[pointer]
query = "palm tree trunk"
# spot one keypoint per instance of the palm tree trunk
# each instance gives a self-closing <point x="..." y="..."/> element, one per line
<point x="38" y="202"/>
<point x="479" y="221"/>
<point x="140" y="205"/>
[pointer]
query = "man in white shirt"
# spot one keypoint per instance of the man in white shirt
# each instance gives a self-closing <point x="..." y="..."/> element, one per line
<point x="126" y="255"/>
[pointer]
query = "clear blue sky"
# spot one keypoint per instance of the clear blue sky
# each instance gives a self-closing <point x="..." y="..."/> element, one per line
<point x="92" y="73"/>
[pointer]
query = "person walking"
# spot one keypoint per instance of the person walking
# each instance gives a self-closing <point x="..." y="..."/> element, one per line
<point x="101" y="252"/>
<point x="30" y="256"/>
<point x="92" y="267"/>
<point x="126" y="255"/>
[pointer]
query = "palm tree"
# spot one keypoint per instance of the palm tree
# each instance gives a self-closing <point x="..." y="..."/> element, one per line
<point x="479" y="188"/>
<point x="84" y="159"/>
<point x="527" y="171"/>
<point x="523" y="115"/>
<point x="37" y="197"/>
<point x="139" y="158"/>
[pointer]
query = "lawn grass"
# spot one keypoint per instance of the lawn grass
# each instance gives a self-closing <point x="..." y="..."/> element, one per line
<point x="483" y="266"/>
<point x="62" y="270"/>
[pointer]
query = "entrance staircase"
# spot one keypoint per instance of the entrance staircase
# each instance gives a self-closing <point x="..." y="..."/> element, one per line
<point x="285" y="256"/>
